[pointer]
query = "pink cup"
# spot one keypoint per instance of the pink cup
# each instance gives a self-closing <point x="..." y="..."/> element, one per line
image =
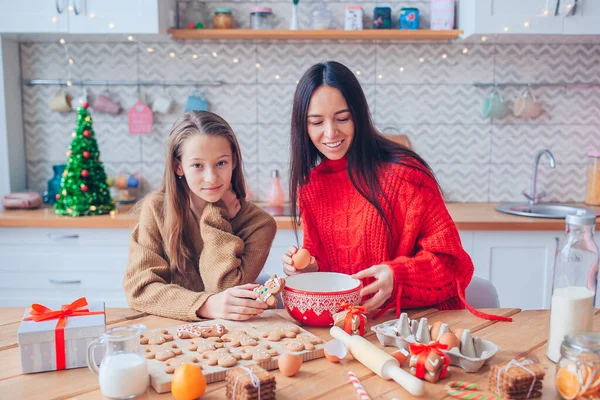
<point x="106" y="105"/>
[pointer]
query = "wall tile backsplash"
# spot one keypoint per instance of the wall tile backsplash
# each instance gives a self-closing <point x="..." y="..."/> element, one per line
<point x="423" y="90"/>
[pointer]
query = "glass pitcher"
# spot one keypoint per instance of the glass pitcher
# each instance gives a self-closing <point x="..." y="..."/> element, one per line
<point x="575" y="281"/>
<point x="123" y="372"/>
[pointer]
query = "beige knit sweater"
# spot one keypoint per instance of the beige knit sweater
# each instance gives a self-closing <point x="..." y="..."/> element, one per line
<point x="229" y="253"/>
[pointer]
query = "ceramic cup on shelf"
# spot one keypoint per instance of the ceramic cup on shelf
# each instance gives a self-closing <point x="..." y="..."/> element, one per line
<point x="61" y="102"/>
<point x="494" y="105"/>
<point x="104" y="103"/>
<point x="526" y="105"/>
<point x="162" y="104"/>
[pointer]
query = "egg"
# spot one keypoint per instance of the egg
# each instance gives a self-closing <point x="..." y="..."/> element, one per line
<point x="301" y="259"/>
<point x="459" y="333"/>
<point x="289" y="364"/>
<point x="450" y="340"/>
<point x="434" y="331"/>
<point x="335" y="350"/>
<point x="401" y="355"/>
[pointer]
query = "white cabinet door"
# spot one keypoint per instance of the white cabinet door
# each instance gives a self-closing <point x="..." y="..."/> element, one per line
<point x="509" y="16"/>
<point x="34" y="16"/>
<point x="116" y="16"/>
<point x="519" y="265"/>
<point x="584" y="19"/>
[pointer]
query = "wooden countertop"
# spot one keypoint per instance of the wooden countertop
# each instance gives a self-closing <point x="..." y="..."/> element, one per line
<point x="467" y="216"/>
<point x="318" y="379"/>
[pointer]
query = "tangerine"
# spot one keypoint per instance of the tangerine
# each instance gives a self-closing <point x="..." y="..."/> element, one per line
<point x="188" y="382"/>
<point x="568" y="381"/>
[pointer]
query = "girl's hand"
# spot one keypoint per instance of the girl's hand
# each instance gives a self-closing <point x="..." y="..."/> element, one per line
<point x="382" y="287"/>
<point x="232" y="203"/>
<point x="288" y="265"/>
<point x="237" y="303"/>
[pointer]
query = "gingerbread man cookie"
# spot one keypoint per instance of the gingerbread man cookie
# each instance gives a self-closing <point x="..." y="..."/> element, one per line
<point x="259" y="353"/>
<point x="156" y="336"/>
<point x="302" y="342"/>
<point x="276" y="334"/>
<point x="201" y="329"/>
<point x="202" y="345"/>
<point x="221" y="357"/>
<point x="268" y="290"/>
<point x="173" y="363"/>
<point x="240" y="338"/>
<point x="163" y="352"/>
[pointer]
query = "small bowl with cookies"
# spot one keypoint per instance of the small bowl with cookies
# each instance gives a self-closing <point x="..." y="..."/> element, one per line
<point x="312" y="298"/>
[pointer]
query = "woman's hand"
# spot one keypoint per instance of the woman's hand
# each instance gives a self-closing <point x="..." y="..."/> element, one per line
<point x="288" y="265"/>
<point x="232" y="203"/>
<point x="237" y="303"/>
<point x="382" y="286"/>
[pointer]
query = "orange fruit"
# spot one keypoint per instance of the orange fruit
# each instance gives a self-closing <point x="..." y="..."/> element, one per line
<point x="188" y="382"/>
<point x="567" y="379"/>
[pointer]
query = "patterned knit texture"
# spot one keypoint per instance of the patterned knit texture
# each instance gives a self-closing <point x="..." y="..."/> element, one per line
<point x="229" y="253"/>
<point x="346" y="234"/>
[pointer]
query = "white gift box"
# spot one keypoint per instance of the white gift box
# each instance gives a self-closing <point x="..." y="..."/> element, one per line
<point x="37" y="340"/>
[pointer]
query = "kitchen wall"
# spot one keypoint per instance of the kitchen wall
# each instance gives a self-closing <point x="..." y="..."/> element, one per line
<point x="425" y="91"/>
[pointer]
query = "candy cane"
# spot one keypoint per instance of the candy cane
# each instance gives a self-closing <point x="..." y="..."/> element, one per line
<point x="360" y="390"/>
<point x="457" y="389"/>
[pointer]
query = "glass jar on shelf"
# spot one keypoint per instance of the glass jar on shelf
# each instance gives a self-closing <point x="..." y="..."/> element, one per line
<point x="191" y="14"/>
<point x="222" y="19"/>
<point x="578" y="368"/>
<point x="593" y="187"/>
<point x="261" y="18"/>
<point x="322" y="18"/>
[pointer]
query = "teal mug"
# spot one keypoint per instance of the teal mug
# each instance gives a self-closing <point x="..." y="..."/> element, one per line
<point x="196" y="102"/>
<point x="494" y="105"/>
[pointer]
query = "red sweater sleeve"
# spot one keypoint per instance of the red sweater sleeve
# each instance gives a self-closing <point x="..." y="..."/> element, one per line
<point x="311" y="241"/>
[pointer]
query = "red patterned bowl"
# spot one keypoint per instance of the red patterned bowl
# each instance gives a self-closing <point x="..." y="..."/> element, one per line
<point x="313" y="297"/>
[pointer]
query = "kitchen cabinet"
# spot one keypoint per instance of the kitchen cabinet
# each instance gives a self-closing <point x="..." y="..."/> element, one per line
<point x="509" y="16"/>
<point x="87" y="16"/>
<point x="582" y="18"/>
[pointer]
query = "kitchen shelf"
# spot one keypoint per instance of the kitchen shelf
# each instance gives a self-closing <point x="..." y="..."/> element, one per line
<point x="369" y="34"/>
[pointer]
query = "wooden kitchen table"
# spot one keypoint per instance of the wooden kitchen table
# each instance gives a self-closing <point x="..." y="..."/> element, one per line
<point x="318" y="379"/>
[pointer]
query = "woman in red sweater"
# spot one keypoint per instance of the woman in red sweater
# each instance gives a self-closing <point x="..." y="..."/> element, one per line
<point x="370" y="208"/>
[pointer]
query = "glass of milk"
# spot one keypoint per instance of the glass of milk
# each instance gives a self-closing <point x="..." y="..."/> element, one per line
<point x="123" y="372"/>
<point x="575" y="281"/>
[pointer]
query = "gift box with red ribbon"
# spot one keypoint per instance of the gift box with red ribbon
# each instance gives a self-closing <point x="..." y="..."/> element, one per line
<point x="56" y="337"/>
<point x="351" y="319"/>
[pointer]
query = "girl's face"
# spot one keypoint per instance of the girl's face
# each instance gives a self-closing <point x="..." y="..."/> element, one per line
<point x="207" y="164"/>
<point x="330" y="124"/>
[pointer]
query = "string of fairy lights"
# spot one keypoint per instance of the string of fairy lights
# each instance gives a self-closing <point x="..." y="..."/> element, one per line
<point x="194" y="55"/>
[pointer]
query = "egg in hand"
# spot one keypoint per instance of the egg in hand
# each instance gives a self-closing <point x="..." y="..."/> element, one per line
<point x="301" y="259"/>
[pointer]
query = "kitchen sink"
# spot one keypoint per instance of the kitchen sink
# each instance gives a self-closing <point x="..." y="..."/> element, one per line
<point x="557" y="211"/>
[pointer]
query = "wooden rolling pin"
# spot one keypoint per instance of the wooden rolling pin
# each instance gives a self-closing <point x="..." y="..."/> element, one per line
<point x="378" y="361"/>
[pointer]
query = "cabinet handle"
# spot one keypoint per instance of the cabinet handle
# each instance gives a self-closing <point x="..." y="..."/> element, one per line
<point x="58" y="9"/>
<point x="64" y="282"/>
<point x="76" y="9"/>
<point x="54" y="236"/>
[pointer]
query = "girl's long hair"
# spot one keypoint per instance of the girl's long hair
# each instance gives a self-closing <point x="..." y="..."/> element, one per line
<point x="369" y="149"/>
<point x="178" y="244"/>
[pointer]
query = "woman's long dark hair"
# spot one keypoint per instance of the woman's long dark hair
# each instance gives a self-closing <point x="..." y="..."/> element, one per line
<point x="368" y="151"/>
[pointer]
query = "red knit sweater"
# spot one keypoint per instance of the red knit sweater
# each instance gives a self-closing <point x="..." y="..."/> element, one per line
<point x="345" y="233"/>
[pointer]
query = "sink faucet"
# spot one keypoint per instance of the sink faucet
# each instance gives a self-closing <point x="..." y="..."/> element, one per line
<point x="534" y="197"/>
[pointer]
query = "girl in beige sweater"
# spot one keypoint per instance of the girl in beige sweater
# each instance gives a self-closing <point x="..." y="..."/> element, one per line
<point x="199" y="244"/>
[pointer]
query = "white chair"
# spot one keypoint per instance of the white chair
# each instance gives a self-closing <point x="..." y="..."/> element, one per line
<point x="481" y="293"/>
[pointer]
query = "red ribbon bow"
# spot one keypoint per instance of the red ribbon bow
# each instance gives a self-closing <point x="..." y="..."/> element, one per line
<point x="39" y="313"/>
<point x="423" y="350"/>
<point x="359" y="311"/>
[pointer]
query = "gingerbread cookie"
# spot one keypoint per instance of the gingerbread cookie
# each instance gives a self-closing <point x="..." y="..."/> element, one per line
<point x="163" y="352"/>
<point x="240" y="338"/>
<point x="276" y="334"/>
<point x="156" y="336"/>
<point x="202" y="345"/>
<point x="259" y="353"/>
<point x="173" y="363"/>
<point x="267" y="291"/>
<point x="302" y="342"/>
<point x="221" y="357"/>
<point x="201" y="329"/>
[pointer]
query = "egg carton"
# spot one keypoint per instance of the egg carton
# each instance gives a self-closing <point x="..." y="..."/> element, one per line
<point x="473" y="353"/>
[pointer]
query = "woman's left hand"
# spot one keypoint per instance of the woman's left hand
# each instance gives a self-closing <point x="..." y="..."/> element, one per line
<point x="382" y="287"/>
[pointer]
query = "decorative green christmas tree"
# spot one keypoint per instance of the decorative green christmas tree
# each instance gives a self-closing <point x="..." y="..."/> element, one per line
<point x="83" y="188"/>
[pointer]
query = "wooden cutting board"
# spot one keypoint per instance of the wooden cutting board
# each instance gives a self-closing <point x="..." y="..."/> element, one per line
<point x="161" y="381"/>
